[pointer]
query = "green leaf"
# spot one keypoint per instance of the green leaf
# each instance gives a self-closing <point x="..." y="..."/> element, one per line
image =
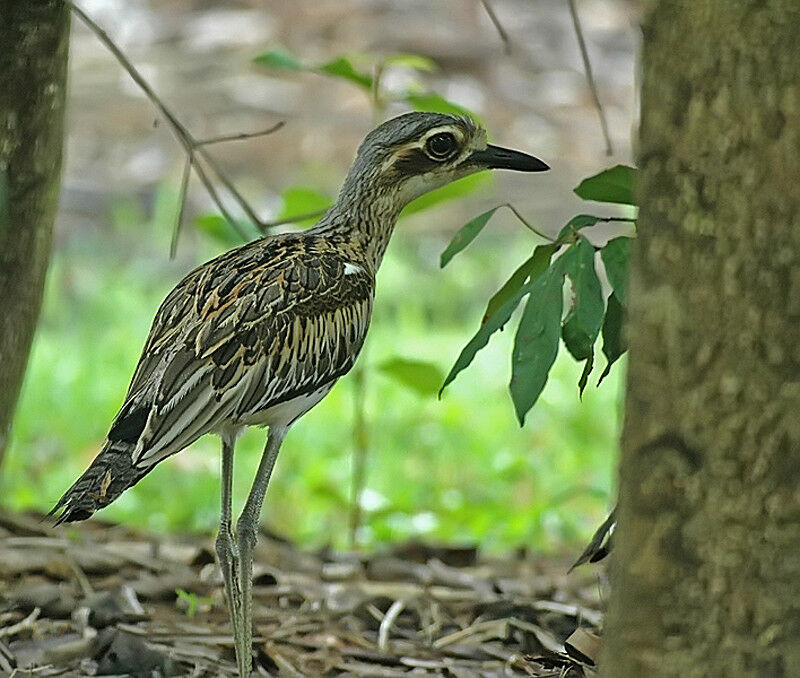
<point x="587" y="370"/>
<point x="499" y="318"/>
<point x="434" y="103"/>
<point x="611" y="185"/>
<point x="217" y="226"/>
<point x="615" y="256"/>
<point x="532" y="267"/>
<point x="190" y="599"/>
<point x="465" y="235"/>
<point x="586" y="312"/>
<point x="300" y="200"/>
<point x="342" y="68"/>
<point x="278" y="58"/>
<point x="536" y="341"/>
<point x="613" y="342"/>
<point x="415" y="61"/>
<point x="424" y="378"/>
<point x="576" y="224"/>
<point x="451" y="191"/>
<point x="578" y="343"/>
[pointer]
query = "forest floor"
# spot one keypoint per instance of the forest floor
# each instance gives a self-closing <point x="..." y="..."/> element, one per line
<point x="101" y="599"/>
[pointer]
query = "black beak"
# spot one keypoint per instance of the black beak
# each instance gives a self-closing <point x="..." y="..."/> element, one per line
<point x="495" y="157"/>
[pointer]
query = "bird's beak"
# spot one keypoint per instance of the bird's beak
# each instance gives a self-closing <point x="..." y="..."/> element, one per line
<point x="495" y="157"/>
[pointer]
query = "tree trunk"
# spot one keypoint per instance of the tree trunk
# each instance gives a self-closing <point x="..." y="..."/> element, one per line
<point x="706" y="578"/>
<point x="34" y="38"/>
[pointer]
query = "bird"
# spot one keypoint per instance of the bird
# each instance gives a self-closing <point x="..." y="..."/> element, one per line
<point x="260" y="334"/>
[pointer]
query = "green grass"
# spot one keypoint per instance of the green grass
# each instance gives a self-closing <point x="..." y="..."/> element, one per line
<point x="460" y="469"/>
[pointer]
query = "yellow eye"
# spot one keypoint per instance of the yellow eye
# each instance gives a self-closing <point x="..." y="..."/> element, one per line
<point x="440" y="145"/>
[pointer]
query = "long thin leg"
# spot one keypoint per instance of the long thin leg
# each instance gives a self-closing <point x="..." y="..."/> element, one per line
<point x="247" y="533"/>
<point x="227" y="554"/>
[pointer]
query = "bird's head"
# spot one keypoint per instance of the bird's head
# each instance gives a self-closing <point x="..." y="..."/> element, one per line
<point x="415" y="153"/>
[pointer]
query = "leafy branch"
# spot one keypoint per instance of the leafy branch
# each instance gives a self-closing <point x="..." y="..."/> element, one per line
<point x="541" y="278"/>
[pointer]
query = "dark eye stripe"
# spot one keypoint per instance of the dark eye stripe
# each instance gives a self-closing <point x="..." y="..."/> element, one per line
<point x="415" y="161"/>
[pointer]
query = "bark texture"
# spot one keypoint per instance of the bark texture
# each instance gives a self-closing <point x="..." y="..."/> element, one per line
<point x="706" y="578"/>
<point x="34" y="38"/>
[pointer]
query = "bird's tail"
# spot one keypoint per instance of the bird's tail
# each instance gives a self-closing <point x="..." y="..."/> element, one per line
<point x="109" y="475"/>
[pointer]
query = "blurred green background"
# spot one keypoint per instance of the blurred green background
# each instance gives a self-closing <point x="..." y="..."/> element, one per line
<point x="459" y="469"/>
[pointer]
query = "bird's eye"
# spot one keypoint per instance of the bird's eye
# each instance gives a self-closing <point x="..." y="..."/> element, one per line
<point x="440" y="145"/>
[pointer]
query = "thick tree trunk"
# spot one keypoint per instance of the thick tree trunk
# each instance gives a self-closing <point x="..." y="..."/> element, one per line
<point x="706" y="578"/>
<point x="34" y="37"/>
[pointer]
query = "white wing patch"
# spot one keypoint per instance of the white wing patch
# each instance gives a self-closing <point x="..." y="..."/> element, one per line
<point x="352" y="269"/>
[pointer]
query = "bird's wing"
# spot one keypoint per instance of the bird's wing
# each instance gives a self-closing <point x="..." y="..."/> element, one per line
<point x="250" y="329"/>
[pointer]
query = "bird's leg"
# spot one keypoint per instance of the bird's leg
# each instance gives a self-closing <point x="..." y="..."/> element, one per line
<point x="228" y="556"/>
<point x="247" y="534"/>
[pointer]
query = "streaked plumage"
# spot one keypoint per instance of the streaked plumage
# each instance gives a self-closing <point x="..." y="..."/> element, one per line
<point x="260" y="334"/>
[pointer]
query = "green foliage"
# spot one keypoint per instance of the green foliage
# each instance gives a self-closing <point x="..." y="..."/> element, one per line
<point x="341" y="67"/>
<point x="536" y="341"/>
<point x="611" y="185"/>
<point x="217" y="227"/>
<point x="192" y="601"/>
<point x="301" y="200"/>
<point x="358" y="68"/>
<point x="541" y="278"/>
<point x="615" y="258"/>
<point x="576" y="224"/>
<point x="465" y="235"/>
<point x="530" y="268"/>
<point x="417" y="62"/>
<point x="420" y="376"/>
<point x="613" y="342"/>
<point x="435" y="103"/>
<point x="279" y="58"/>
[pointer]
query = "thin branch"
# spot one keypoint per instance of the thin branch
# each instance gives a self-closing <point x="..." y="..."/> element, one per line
<point x="227" y="183"/>
<point x="192" y="146"/>
<point x="295" y="218"/>
<point x="527" y="224"/>
<point x="241" y="136"/>
<point x="386" y="623"/>
<point x="187" y="170"/>
<point x="502" y="31"/>
<point x="589" y="77"/>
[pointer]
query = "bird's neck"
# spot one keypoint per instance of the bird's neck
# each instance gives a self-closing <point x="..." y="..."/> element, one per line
<point x="363" y="218"/>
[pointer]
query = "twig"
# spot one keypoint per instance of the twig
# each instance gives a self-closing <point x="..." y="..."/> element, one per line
<point x="589" y="77"/>
<point x="490" y="626"/>
<point x="386" y="624"/>
<point x="192" y="146"/>
<point x="21" y="625"/>
<point x="241" y="136"/>
<point x="502" y="31"/>
<point x="527" y="224"/>
<point x="176" y="231"/>
<point x="80" y="575"/>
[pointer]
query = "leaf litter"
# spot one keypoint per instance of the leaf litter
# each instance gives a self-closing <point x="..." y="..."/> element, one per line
<point x="102" y="599"/>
